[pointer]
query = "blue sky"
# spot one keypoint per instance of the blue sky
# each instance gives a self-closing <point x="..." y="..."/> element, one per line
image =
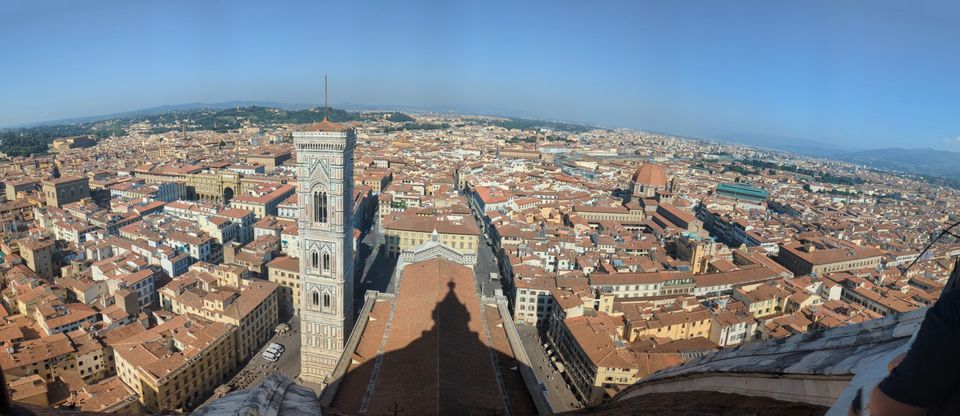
<point x="864" y="74"/>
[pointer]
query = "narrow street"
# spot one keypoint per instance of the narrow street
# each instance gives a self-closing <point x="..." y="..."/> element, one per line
<point x="486" y="264"/>
<point x="258" y="369"/>
<point x="559" y="394"/>
<point x="375" y="267"/>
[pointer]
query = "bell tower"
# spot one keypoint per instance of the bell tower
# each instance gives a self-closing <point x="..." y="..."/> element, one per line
<point x="325" y="205"/>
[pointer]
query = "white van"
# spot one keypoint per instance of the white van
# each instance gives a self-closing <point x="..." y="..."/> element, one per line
<point x="272" y="352"/>
<point x="275" y="347"/>
<point x="270" y="356"/>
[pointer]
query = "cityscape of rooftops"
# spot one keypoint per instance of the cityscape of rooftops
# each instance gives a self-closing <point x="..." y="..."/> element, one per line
<point x="430" y="208"/>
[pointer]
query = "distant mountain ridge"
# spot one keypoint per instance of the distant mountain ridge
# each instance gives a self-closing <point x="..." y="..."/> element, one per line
<point x="922" y="161"/>
<point x="166" y="109"/>
<point x="196" y="106"/>
<point x="932" y="163"/>
<point x="222" y="117"/>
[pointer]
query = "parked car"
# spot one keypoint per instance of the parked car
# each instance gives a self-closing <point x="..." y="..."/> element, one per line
<point x="273" y="352"/>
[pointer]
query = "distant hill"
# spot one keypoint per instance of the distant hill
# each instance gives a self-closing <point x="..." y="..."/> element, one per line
<point x="938" y="166"/>
<point x="796" y="145"/>
<point x="188" y="107"/>
<point x="24" y="141"/>
<point x="925" y="161"/>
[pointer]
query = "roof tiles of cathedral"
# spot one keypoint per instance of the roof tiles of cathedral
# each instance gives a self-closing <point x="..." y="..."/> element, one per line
<point x="436" y="354"/>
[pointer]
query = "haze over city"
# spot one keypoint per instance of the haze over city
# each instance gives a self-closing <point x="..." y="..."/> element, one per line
<point x="849" y="75"/>
<point x="576" y="208"/>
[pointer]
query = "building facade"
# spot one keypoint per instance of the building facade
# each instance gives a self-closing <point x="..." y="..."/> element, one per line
<point x="177" y="364"/>
<point x="285" y="271"/>
<point x="406" y="232"/>
<point x="48" y="357"/>
<point x="263" y="202"/>
<point x="61" y="191"/>
<point x="325" y="201"/>
<point x="251" y="307"/>
<point x="827" y="256"/>
<point x="38" y="254"/>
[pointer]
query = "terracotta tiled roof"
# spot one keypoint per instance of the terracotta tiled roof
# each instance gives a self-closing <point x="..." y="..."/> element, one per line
<point x="324" y="125"/>
<point x="436" y="358"/>
<point x="650" y="174"/>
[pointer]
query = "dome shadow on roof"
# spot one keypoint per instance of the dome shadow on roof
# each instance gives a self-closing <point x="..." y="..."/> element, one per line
<point x="435" y="358"/>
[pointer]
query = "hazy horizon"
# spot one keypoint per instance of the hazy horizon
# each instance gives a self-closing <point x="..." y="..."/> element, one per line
<point x="763" y="74"/>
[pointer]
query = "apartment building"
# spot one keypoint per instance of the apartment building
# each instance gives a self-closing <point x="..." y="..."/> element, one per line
<point x="252" y="307"/>
<point x="762" y="300"/>
<point x="827" y="255"/>
<point x="57" y="317"/>
<point x="38" y="255"/>
<point x="533" y="302"/>
<point x="285" y="272"/>
<point x="264" y="200"/>
<point x="731" y="328"/>
<point x="673" y="325"/>
<point x="597" y="360"/>
<point x="633" y="285"/>
<point x="177" y="364"/>
<point x="404" y="232"/>
<point x="47" y="357"/>
<point x="94" y="359"/>
<point x="268" y="156"/>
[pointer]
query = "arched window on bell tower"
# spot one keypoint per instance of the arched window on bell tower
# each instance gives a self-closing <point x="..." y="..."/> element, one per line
<point x="326" y="300"/>
<point x="315" y="260"/>
<point x="320" y="206"/>
<point x="326" y="262"/>
<point x="316" y="298"/>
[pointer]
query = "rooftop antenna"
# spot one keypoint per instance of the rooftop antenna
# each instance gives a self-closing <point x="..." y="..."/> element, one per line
<point x="325" y="107"/>
<point x="944" y="232"/>
<point x="954" y="280"/>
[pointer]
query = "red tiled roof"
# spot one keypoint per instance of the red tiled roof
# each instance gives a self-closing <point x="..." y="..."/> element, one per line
<point x="324" y="125"/>
<point x="650" y="174"/>
<point x="436" y="357"/>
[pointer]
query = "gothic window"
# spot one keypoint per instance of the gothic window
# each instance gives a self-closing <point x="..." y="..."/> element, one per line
<point x="316" y="298"/>
<point x="326" y="262"/>
<point x="314" y="260"/>
<point x="320" y="206"/>
<point x="326" y="300"/>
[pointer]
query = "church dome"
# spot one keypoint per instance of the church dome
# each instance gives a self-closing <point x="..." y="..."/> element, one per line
<point x="650" y="174"/>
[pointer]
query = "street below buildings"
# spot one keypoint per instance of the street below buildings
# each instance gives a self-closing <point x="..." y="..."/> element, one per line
<point x="375" y="266"/>
<point x="559" y="394"/>
<point x="258" y="368"/>
<point x="486" y="264"/>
